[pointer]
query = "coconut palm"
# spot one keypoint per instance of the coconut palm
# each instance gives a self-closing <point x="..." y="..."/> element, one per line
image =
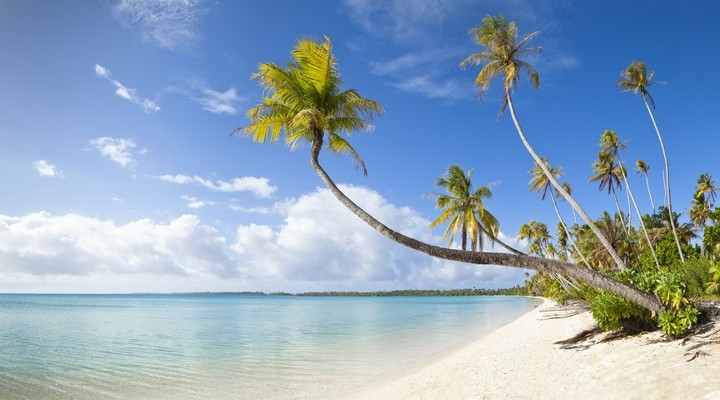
<point x="706" y="187"/>
<point x="541" y="184"/>
<point x="305" y="103"/>
<point x="612" y="229"/>
<point x="637" y="79"/>
<point x="642" y="168"/>
<point x="503" y="56"/>
<point x="538" y="237"/>
<point x="611" y="146"/>
<point x="464" y="209"/>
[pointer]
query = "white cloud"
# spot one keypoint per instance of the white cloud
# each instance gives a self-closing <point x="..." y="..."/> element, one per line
<point x="41" y="244"/>
<point x="323" y="241"/>
<point x="168" y="24"/>
<point x="434" y="89"/>
<point x="117" y="149"/>
<point x="260" y="187"/>
<point x="195" y="203"/>
<point x="126" y="93"/>
<point x="218" y="102"/>
<point x="46" y="169"/>
<point x="320" y="246"/>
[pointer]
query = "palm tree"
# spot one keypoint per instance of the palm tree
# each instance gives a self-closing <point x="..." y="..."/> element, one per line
<point x="609" y="174"/>
<point x="464" y="208"/>
<point x="502" y="56"/>
<point x="637" y="79"/>
<point x="541" y="184"/>
<point x="612" y="229"/>
<point x="642" y="168"/>
<point x="706" y="186"/>
<point x="611" y="146"/>
<point x="305" y="103"/>
<point x="538" y="237"/>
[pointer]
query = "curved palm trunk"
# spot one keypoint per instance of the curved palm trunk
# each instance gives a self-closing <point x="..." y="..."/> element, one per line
<point x="503" y="244"/>
<point x="620" y="213"/>
<point x="637" y="210"/>
<point x="647" y="183"/>
<point x="591" y="277"/>
<point x="618" y="261"/>
<point x="667" y="181"/>
<point x="567" y="231"/>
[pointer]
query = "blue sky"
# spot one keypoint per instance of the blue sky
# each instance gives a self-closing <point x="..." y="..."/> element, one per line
<point x="120" y="173"/>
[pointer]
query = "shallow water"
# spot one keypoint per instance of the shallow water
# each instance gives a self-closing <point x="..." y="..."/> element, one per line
<point x="225" y="346"/>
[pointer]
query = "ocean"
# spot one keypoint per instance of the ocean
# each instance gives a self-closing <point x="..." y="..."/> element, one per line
<point x="212" y="346"/>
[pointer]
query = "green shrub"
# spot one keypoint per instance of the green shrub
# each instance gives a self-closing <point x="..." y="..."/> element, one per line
<point x="674" y="322"/>
<point x="612" y="312"/>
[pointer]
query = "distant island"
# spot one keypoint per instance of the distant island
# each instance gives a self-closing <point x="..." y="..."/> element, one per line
<point x="514" y="291"/>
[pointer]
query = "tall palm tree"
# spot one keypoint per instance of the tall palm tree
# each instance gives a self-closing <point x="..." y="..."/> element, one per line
<point x="643" y="168"/>
<point x="637" y="79"/>
<point x="609" y="175"/>
<point x="464" y="209"/>
<point x="503" y="56"/>
<point x="305" y="103"/>
<point x="611" y="146"/>
<point x="706" y="186"/>
<point x="541" y="184"/>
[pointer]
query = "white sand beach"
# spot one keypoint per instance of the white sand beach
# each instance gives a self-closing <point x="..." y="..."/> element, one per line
<point x="522" y="361"/>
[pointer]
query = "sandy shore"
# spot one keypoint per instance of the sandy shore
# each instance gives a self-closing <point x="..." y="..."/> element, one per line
<point x="522" y="361"/>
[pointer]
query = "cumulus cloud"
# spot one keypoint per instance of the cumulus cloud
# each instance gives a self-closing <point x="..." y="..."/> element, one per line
<point x="322" y="241"/>
<point x="45" y="169"/>
<point x="319" y="246"/>
<point x="117" y="149"/>
<point x="41" y="244"/>
<point x="168" y="24"/>
<point x="260" y="187"/>
<point x="126" y="93"/>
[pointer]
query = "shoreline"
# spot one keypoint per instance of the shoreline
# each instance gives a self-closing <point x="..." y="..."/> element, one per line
<point x="520" y="360"/>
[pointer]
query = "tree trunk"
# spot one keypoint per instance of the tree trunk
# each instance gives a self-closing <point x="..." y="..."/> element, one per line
<point x="667" y="181"/>
<point x="618" y="261"/>
<point x="591" y="277"/>
<point x="503" y="244"/>
<point x="637" y="210"/>
<point x="567" y="231"/>
<point x="647" y="183"/>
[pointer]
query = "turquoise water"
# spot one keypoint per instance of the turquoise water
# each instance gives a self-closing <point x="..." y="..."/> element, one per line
<point x="227" y="347"/>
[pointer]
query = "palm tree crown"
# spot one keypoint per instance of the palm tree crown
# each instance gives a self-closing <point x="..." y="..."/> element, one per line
<point x="304" y="101"/>
<point x="502" y="55"/>
<point x="706" y="187"/>
<point x="464" y="208"/>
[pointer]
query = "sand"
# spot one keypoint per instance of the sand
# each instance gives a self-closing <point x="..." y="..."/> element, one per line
<point x="521" y="361"/>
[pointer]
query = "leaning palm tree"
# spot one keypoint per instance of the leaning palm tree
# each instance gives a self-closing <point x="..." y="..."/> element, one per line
<point x="464" y="209"/>
<point x="611" y="146"/>
<point x="304" y="103"/>
<point x="643" y="168"/>
<point x="541" y="184"/>
<point x="503" y="56"/>
<point x="637" y="79"/>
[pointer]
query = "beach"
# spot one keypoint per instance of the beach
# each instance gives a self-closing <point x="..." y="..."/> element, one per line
<point x="522" y="360"/>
